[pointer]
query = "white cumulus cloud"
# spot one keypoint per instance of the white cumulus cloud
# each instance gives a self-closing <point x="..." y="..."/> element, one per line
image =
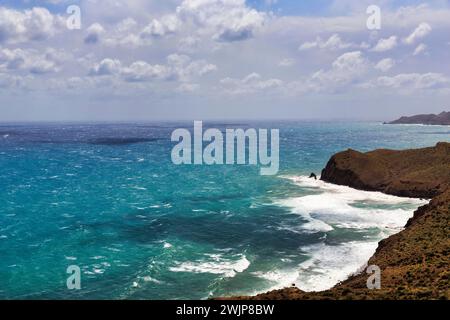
<point x="413" y="81"/>
<point x="226" y="20"/>
<point x="421" y="48"/>
<point x="345" y="69"/>
<point x="251" y="83"/>
<point x="94" y="32"/>
<point x="385" y="65"/>
<point x="386" y="44"/>
<point x="178" y="68"/>
<point x="28" y="25"/>
<point x="334" y="42"/>
<point x="420" y="32"/>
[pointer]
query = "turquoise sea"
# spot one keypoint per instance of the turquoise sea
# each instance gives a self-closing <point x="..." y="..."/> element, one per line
<point x="107" y="198"/>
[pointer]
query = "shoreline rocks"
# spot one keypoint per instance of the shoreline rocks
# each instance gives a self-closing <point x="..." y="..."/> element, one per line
<point x="417" y="173"/>
<point x="415" y="263"/>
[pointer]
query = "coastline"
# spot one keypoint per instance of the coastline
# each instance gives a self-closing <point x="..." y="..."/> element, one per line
<point x="414" y="262"/>
<point x="442" y="118"/>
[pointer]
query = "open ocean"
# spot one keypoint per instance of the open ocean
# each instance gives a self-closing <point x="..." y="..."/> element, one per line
<point x="106" y="197"/>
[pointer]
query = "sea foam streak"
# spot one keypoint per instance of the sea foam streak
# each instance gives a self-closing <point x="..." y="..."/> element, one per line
<point x="333" y="207"/>
<point x="331" y="264"/>
<point x="215" y="264"/>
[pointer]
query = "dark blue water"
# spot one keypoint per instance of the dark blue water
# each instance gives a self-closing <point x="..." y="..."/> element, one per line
<point x="107" y="198"/>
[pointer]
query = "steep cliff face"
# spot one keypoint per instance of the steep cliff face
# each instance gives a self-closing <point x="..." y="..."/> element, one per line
<point x="420" y="173"/>
<point x="415" y="263"/>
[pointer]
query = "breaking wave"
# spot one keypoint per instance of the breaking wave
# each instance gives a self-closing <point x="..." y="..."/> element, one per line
<point x="333" y="207"/>
<point x="215" y="264"/>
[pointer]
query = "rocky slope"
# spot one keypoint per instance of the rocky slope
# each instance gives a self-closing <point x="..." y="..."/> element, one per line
<point x="415" y="263"/>
<point x="429" y="119"/>
<point x="422" y="173"/>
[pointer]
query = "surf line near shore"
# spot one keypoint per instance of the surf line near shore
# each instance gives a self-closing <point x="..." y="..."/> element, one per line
<point x="352" y="221"/>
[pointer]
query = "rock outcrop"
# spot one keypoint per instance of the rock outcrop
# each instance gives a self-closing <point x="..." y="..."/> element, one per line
<point x="415" y="262"/>
<point x="420" y="173"/>
<point x="429" y="119"/>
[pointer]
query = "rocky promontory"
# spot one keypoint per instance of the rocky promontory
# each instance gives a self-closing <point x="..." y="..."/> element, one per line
<point x="429" y="119"/>
<point x="420" y="173"/>
<point x="415" y="263"/>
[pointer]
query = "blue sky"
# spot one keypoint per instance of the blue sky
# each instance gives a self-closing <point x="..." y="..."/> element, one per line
<point x="289" y="7"/>
<point x="285" y="7"/>
<point x="222" y="59"/>
<point x="325" y="7"/>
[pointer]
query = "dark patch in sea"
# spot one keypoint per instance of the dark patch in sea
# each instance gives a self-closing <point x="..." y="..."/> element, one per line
<point x="435" y="132"/>
<point x="120" y="141"/>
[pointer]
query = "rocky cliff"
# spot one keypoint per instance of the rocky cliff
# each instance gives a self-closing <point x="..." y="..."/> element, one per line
<point x="430" y="119"/>
<point x="415" y="263"/>
<point x="421" y="173"/>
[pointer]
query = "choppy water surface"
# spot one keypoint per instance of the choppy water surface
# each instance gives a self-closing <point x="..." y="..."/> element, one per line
<point x="106" y="197"/>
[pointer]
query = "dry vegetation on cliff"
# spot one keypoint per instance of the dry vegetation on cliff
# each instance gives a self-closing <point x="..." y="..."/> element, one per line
<point x="415" y="263"/>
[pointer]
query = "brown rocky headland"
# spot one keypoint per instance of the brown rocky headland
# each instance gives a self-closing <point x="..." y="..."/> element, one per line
<point x="442" y="118"/>
<point x="415" y="263"/>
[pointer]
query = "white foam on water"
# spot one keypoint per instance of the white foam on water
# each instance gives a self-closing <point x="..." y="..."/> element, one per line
<point x="329" y="265"/>
<point x="332" y="207"/>
<point x="280" y="278"/>
<point x="329" y="209"/>
<point x="150" y="279"/>
<point x="215" y="264"/>
<point x="350" y="193"/>
<point x="139" y="188"/>
<point x="167" y="245"/>
<point x="419" y="125"/>
<point x="71" y="258"/>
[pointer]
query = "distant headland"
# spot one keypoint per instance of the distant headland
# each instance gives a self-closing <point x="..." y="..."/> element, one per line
<point x="442" y="118"/>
